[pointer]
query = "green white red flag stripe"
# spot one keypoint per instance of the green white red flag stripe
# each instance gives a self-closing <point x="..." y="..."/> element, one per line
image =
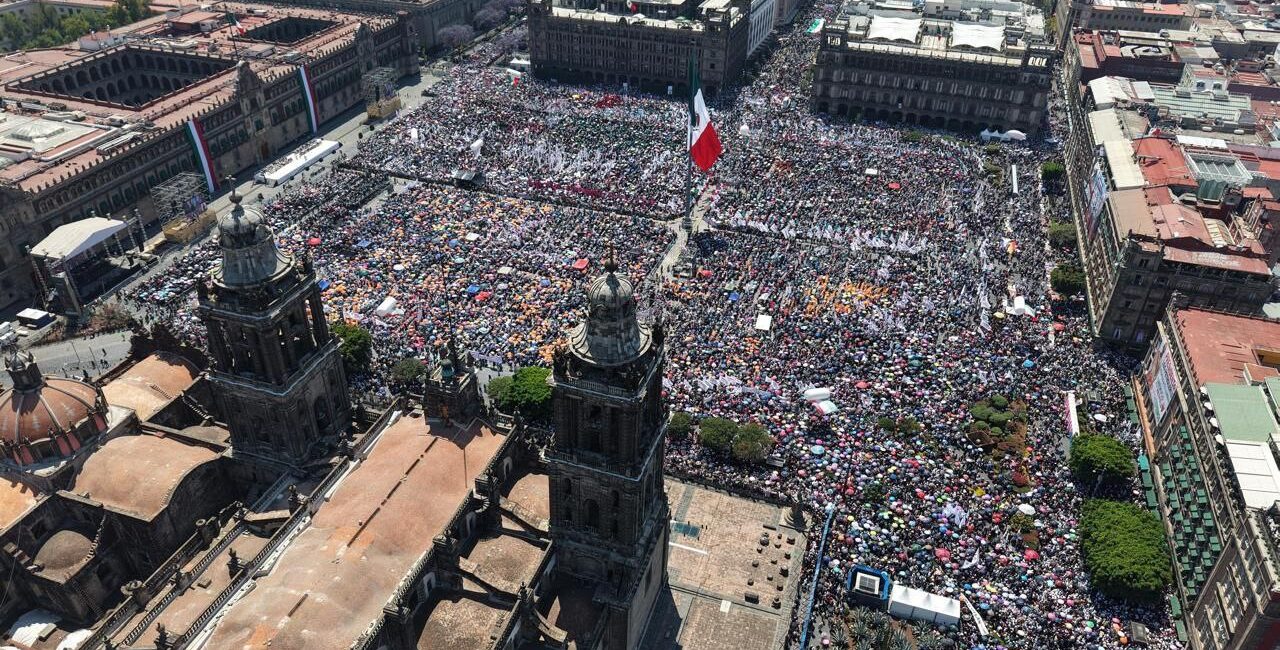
<point x="196" y="133"/>
<point x="309" y="94"/>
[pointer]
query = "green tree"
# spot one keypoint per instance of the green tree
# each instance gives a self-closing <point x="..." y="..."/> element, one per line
<point x="355" y="344"/>
<point x="1062" y="234"/>
<point x="752" y="444"/>
<point x="717" y="433"/>
<point x="408" y="370"/>
<point x="680" y="425"/>
<point x="531" y="393"/>
<point x="498" y="390"/>
<point x="1124" y="551"/>
<point x="1101" y="458"/>
<point x="1067" y="279"/>
<point x="1052" y="171"/>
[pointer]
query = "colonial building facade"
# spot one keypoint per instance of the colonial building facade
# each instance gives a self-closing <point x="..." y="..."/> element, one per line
<point x="644" y="45"/>
<point x="99" y="130"/>
<point x="936" y="73"/>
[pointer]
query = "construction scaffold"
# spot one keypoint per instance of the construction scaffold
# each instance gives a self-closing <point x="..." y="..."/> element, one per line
<point x="379" y="89"/>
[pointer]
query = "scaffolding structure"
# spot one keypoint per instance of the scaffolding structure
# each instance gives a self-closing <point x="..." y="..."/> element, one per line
<point x="183" y="196"/>
<point x="378" y="85"/>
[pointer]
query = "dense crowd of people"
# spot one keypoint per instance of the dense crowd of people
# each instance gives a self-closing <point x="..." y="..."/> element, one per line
<point x="892" y="269"/>
<point x="585" y="147"/>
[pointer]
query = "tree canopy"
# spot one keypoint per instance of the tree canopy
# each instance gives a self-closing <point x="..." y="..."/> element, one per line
<point x="680" y="425"/>
<point x="355" y="344"/>
<point x="1062" y="234"/>
<point x="1124" y="550"/>
<point x="45" y="26"/>
<point x="1097" y="457"/>
<point x="527" y="390"/>
<point x="717" y="433"/>
<point x="752" y="444"/>
<point x="408" y="370"/>
<point x="1067" y="279"/>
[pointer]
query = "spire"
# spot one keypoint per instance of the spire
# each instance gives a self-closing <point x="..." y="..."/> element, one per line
<point x="23" y="370"/>
<point x="611" y="260"/>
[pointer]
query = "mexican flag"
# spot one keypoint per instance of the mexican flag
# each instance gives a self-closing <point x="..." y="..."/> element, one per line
<point x="704" y="144"/>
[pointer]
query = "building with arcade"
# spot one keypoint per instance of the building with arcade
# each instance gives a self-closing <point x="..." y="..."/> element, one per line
<point x="85" y="131"/>
<point x="963" y="75"/>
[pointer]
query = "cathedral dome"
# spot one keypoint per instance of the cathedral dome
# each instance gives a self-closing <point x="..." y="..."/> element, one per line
<point x="241" y="226"/>
<point x="611" y="334"/>
<point x="249" y="251"/>
<point x="63" y="551"/>
<point x="47" y="417"/>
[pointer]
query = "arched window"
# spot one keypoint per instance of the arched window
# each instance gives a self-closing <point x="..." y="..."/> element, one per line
<point x="593" y="514"/>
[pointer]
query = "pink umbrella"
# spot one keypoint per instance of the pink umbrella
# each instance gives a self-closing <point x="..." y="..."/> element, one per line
<point x="942" y="554"/>
<point x="1030" y="554"/>
<point x="862" y="385"/>
<point x="314" y="241"/>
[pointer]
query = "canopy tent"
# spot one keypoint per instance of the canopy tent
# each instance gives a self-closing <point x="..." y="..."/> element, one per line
<point x="72" y="239"/>
<point x="920" y="605"/>
<point x="764" y="322"/>
<point x="387" y="307"/>
<point x="817" y="394"/>
<point x="826" y="407"/>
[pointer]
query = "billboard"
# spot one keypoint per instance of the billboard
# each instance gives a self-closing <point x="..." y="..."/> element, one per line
<point x="1159" y="379"/>
<point x="1097" y="195"/>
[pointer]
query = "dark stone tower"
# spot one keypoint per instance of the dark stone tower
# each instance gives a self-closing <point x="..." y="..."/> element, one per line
<point x="276" y="371"/>
<point x="609" y="515"/>
<point x="450" y="391"/>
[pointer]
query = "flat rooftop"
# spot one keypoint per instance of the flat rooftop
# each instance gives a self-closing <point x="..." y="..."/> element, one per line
<point x="1220" y="345"/>
<point x="714" y="541"/>
<point x="331" y="582"/>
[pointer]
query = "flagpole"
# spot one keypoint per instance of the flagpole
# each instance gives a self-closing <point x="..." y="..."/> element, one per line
<point x="688" y="149"/>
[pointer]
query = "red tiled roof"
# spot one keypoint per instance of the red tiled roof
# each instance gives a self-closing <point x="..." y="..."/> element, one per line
<point x="1219" y="345"/>
<point x="1162" y="163"/>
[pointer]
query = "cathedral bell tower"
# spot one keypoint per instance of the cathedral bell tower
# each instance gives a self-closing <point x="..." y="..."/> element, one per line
<point x="609" y="515"/>
<point x="276" y="371"/>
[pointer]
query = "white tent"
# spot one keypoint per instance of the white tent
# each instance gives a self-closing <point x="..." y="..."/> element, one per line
<point x="920" y="605"/>
<point x="764" y="322"/>
<point x="817" y="394"/>
<point x="826" y="407"/>
<point x="388" y="306"/>
<point x="71" y="239"/>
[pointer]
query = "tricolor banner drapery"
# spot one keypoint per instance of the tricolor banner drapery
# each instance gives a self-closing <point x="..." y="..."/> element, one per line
<point x="704" y="143"/>
<point x="196" y="133"/>
<point x="309" y="95"/>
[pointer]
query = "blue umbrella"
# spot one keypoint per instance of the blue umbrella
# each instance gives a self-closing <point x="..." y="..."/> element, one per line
<point x="323" y="284"/>
<point x="735" y="297"/>
<point x="473" y="289"/>
<point x="453" y="243"/>
<point x="1028" y="364"/>
<point x="544" y="282"/>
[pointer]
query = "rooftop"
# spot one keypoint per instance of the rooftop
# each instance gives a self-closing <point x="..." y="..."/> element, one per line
<point x="208" y="83"/>
<point x="1219" y="345"/>
<point x="332" y="581"/>
<point x="138" y="474"/>
<point x="148" y="385"/>
<point x="1243" y="412"/>
<point x="15" y="499"/>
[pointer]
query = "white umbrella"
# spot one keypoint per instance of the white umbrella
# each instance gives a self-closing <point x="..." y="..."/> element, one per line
<point x="1026" y="509"/>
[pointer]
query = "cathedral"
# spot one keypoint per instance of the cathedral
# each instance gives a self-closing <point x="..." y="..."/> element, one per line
<point x="232" y="496"/>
